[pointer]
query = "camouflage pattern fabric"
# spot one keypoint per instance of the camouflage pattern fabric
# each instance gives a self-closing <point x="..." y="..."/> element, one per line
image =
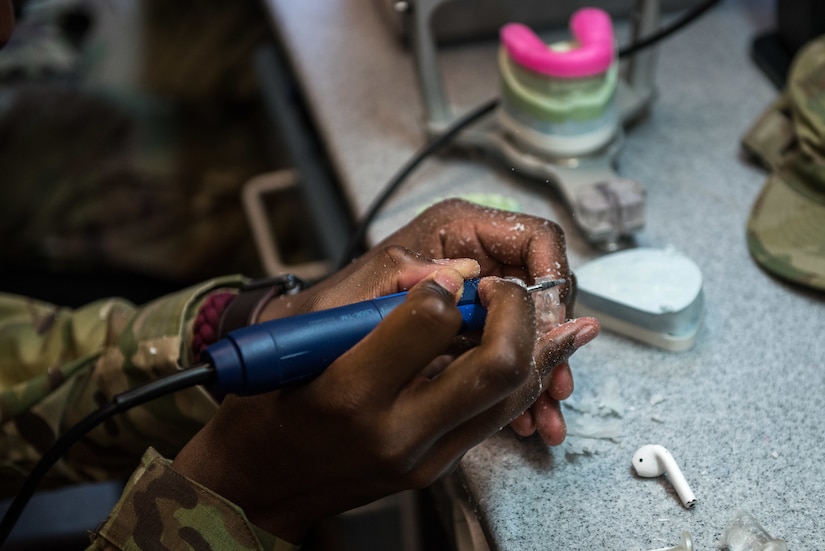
<point x="162" y="509"/>
<point x="145" y="178"/>
<point x="58" y="365"/>
<point x="786" y="228"/>
<point x="92" y="180"/>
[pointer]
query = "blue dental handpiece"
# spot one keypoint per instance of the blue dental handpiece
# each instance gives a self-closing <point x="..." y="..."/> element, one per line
<point x="287" y="351"/>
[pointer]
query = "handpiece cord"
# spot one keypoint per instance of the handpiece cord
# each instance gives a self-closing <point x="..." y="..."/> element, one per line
<point x="437" y="143"/>
<point x="200" y="374"/>
<point x="431" y="148"/>
<point x="689" y="17"/>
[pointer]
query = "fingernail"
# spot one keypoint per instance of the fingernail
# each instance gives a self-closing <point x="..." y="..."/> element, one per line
<point x="450" y="280"/>
<point x="467" y="267"/>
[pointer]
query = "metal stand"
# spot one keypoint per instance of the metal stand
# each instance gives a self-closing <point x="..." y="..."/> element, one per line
<point x="607" y="209"/>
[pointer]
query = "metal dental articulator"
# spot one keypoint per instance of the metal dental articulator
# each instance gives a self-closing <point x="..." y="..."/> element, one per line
<point x="562" y="112"/>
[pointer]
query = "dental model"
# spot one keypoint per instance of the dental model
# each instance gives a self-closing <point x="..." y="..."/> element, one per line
<point x="685" y="545"/>
<point x="559" y="99"/>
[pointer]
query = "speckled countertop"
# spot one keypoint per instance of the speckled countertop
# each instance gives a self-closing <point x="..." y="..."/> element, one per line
<point x="742" y="411"/>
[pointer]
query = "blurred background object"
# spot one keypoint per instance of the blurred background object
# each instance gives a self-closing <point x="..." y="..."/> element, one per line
<point x="127" y="131"/>
<point x="797" y="22"/>
<point x="458" y="20"/>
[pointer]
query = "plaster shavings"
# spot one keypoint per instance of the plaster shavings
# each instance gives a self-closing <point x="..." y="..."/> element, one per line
<point x="594" y="421"/>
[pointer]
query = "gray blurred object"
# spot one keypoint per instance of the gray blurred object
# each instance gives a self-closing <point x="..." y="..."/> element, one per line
<point x="607" y="209"/>
<point x="651" y="295"/>
<point x="455" y="20"/>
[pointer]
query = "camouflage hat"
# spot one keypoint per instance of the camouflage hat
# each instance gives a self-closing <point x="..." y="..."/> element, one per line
<point x="786" y="229"/>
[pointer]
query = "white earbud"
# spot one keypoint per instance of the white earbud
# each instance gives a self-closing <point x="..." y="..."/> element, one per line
<point x="655" y="460"/>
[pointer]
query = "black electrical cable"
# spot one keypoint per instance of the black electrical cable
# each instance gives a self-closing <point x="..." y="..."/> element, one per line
<point x="200" y="374"/>
<point x="433" y="146"/>
<point x="688" y="18"/>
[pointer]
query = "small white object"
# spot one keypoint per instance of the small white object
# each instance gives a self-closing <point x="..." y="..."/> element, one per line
<point x="654" y="460"/>
<point x="685" y="545"/>
<point x="652" y="295"/>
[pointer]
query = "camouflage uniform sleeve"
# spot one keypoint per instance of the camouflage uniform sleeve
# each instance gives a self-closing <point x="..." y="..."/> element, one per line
<point x="58" y="365"/>
<point x="161" y="508"/>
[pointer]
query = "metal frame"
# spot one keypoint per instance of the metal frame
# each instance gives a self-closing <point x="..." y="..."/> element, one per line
<point x="570" y="176"/>
<point x="253" y="196"/>
<point x="317" y="183"/>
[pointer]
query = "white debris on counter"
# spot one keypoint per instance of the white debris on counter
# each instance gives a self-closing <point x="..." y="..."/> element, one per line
<point x="594" y="421"/>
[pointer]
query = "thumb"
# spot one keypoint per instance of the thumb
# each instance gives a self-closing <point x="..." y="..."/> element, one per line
<point x="413" y="334"/>
<point x="389" y="270"/>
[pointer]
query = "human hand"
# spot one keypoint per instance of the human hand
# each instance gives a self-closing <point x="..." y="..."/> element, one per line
<point x="505" y="244"/>
<point x="397" y="411"/>
<point x="510" y="245"/>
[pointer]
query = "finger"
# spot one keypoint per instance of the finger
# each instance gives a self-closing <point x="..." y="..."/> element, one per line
<point x="553" y="350"/>
<point x="511" y="244"/>
<point x="436" y="366"/>
<point x="486" y="374"/>
<point x="497" y="238"/>
<point x="407" y="342"/>
<point x="393" y="269"/>
<point x="549" y="420"/>
<point x="524" y="425"/>
<point x="386" y="271"/>
<point x="559" y="383"/>
<point x="534" y="246"/>
<point x="454" y="444"/>
<point x="559" y="343"/>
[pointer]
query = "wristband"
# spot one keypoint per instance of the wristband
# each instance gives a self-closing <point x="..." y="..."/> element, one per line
<point x="248" y="304"/>
<point x="206" y="328"/>
<point x="225" y="311"/>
